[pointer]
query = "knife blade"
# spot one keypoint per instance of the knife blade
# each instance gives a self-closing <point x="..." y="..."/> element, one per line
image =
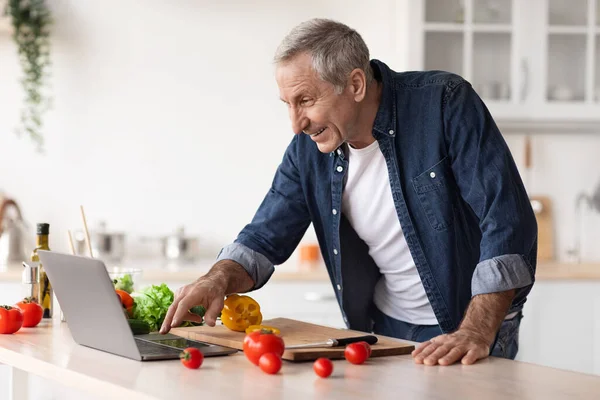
<point x="334" y="342"/>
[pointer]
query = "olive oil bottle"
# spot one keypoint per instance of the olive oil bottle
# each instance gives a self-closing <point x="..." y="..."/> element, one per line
<point x="46" y="295"/>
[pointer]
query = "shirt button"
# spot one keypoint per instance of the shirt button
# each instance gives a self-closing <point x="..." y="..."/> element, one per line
<point x="391" y="132"/>
<point x="340" y="169"/>
<point x="334" y="211"/>
<point x="432" y="174"/>
<point x="339" y="152"/>
<point x="335" y="251"/>
<point x="339" y="287"/>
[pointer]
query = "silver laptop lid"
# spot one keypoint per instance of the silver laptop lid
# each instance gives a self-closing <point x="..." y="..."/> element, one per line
<point x="88" y="299"/>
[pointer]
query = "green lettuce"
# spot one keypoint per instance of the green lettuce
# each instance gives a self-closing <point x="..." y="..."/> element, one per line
<point x="152" y="304"/>
<point x="124" y="282"/>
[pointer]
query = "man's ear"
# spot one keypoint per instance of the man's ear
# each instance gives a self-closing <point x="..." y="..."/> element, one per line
<point x="357" y="84"/>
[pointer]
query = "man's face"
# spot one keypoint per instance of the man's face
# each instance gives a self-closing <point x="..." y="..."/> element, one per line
<point x="314" y="107"/>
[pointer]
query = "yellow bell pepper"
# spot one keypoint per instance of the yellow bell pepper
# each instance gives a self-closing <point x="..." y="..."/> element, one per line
<point x="240" y="312"/>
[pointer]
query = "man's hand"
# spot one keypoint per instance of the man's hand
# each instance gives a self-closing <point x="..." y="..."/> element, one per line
<point x="225" y="277"/>
<point x="472" y="340"/>
<point x="448" y="349"/>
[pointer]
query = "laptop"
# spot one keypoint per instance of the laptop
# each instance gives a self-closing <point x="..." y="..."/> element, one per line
<point x="95" y="316"/>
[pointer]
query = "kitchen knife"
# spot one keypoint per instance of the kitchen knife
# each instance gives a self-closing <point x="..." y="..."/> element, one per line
<point x="335" y="342"/>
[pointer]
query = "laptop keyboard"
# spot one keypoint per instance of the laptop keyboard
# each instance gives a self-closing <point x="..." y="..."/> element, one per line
<point x="153" y="349"/>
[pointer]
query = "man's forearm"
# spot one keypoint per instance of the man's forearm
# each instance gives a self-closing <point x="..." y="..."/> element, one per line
<point x="486" y="313"/>
<point x="231" y="275"/>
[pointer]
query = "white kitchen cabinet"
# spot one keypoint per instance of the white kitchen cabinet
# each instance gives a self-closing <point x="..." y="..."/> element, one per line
<point x="561" y="326"/>
<point x="528" y="59"/>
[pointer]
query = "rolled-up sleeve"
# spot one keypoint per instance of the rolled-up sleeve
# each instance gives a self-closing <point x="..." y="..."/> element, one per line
<point x="501" y="273"/>
<point x="489" y="182"/>
<point x="257" y="265"/>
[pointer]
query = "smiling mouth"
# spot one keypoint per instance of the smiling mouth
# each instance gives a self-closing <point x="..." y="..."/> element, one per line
<point x="317" y="133"/>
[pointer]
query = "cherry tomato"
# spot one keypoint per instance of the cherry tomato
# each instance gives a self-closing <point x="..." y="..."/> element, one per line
<point x="270" y="363"/>
<point x="258" y="343"/>
<point x="367" y="346"/>
<point x="323" y="367"/>
<point x="32" y="312"/>
<point x="126" y="301"/>
<point x="356" y="353"/>
<point x="11" y="319"/>
<point x="192" y="358"/>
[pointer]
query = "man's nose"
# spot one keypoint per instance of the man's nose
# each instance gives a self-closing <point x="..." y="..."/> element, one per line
<point x="299" y="121"/>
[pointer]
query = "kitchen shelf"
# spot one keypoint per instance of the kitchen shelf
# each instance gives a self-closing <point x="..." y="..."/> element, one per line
<point x="566" y="68"/>
<point x="443" y="27"/>
<point x="455" y="27"/>
<point x="492" y="28"/>
<point x="443" y="11"/>
<point x="568" y="12"/>
<point x="491" y="65"/>
<point x="444" y="51"/>
<point x="567" y="29"/>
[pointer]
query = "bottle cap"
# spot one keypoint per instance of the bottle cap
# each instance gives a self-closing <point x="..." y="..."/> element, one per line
<point x="43" y="229"/>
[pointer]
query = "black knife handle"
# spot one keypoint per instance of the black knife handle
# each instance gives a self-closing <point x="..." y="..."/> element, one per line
<point x="369" y="339"/>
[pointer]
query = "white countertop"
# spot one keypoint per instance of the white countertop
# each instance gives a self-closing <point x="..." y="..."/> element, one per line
<point x="156" y="271"/>
<point x="49" y="351"/>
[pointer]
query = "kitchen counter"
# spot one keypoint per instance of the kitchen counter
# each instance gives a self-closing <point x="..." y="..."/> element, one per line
<point x="155" y="272"/>
<point x="49" y="351"/>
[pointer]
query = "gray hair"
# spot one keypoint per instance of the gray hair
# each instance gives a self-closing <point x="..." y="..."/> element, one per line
<point x="336" y="50"/>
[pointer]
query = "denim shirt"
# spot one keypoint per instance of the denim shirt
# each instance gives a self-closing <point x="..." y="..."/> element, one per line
<point x="458" y="195"/>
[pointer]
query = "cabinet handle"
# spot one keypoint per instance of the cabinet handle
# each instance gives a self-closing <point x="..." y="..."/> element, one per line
<point x="525" y="86"/>
<point x="318" y="297"/>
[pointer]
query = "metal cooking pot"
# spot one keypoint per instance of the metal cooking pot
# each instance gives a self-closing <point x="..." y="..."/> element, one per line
<point x="106" y="245"/>
<point x="181" y="247"/>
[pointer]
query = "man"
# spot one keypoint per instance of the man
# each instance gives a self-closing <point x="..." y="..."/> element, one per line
<point x="423" y="221"/>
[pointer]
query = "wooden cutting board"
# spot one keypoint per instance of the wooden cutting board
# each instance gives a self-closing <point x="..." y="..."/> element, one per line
<point x="545" y="224"/>
<point x="296" y="332"/>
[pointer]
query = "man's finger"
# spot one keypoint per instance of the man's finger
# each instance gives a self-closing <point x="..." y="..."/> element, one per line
<point x="453" y="355"/>
<point x="425" y="352"/>
<point x="440" y="352"/>
<point x="182" y="310"/>
<point x="193" y="317"/>
<point x="166" y="325"/>
<point x="213" y="311"/>
<point x="420" y="347"/>
<point x="472" y="356"/>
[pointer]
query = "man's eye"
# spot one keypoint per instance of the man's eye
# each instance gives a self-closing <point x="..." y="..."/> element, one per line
<point x="304" y="102"/>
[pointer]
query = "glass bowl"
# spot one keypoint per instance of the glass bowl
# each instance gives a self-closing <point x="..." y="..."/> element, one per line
<point x="127" y="279"/>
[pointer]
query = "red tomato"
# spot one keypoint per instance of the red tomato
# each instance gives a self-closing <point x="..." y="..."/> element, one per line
<point x="192" y="358"/>
<point x="323" y="367"/>
<point x="32" y="312"/>
<point x="270" y="363"/>
<point x="356" y="353"/>
<point x="367" y="346"/>
<point x="258" y="343"/>
<point x="11" y="319"/>
<point x="126" y="301"/>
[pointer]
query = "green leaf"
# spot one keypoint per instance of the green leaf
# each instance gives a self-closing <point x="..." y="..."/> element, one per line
<point x="152" y="305"/>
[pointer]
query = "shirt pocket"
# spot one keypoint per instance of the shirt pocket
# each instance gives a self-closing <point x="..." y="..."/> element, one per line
<point x="434" y="193"/>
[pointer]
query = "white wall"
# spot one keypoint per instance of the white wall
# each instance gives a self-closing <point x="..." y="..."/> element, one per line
<point x="167" y="113"/>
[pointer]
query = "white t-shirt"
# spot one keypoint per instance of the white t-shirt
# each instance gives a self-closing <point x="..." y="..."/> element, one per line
<point x="369" y="206"/>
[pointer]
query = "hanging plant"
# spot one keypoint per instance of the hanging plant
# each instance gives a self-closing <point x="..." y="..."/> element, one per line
<point x="30" y="20"/>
